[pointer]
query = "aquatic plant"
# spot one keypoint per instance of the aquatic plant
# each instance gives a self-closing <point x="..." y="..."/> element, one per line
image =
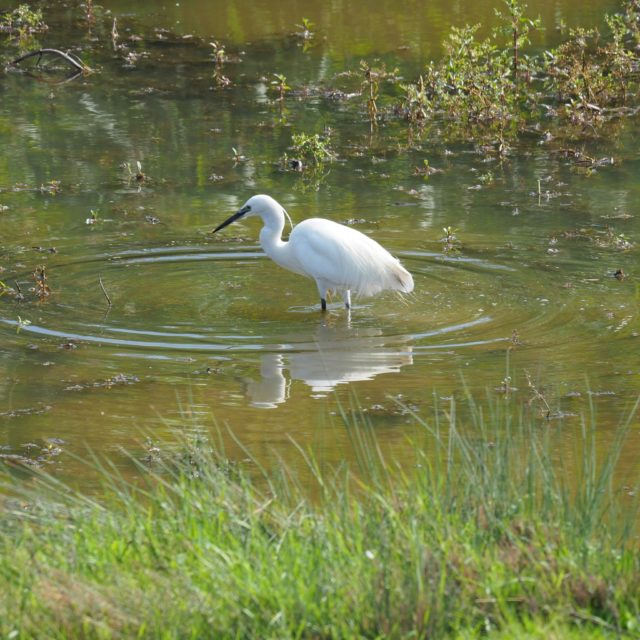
<point x="517" y="27"/>
<point x="586" y="78"/>
<point x="5" y="289"/>
<point x="471" y="84"/>
<point x="305" y="25"/>
<point x="279" y="83"/>
<point x="485" y="89"/>
<point x="314" y="147"/>
<point x="426" y="169"/>
<point x="22" y="322"/>
<point x="450" y="242"/>
<point x="631" y="19"/>
<point x="22" y="21"/>
<point x="237" y="156"/>
<point x="219" y="58"/>
<point x="373" y="76"/>
<point x="93" y="217"/>
<point x="416" y="104"/>
<point x="41" y="286"/>
<point x="133" y="174"/>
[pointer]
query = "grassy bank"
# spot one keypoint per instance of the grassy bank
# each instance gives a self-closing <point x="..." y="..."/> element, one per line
<point x="485" y="536"/>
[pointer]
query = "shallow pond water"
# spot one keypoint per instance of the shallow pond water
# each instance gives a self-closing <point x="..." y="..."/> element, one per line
<point x="205" y="329"/>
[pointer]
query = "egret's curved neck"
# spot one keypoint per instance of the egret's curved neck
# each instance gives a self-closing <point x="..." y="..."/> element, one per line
<point x="271" y="237"/>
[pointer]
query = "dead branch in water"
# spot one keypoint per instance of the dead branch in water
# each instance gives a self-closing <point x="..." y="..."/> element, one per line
<point x="69" y="57"/>
<point x="106" y="295"/>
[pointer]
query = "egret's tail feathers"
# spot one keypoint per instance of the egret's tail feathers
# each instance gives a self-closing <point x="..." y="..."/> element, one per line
<point x="391" y="275"/>
<point x="404" y="279"/>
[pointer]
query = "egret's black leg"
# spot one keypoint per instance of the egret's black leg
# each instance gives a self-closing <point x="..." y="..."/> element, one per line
<point x="323" y="304"/>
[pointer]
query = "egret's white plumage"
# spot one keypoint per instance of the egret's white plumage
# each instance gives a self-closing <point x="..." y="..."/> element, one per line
<point x="335" y="256"/>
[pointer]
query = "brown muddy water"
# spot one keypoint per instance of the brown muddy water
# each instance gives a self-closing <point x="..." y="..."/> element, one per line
<point x="204" y="330"/>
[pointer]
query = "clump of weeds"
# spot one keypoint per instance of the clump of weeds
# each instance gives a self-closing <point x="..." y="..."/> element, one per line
<point x="219" y="58"/>
<point x="472" y="83"/>
<point x="279" y="84"/>
<point x="537" y="398"/>
<point x="134" y="174"/>
<point x="305" y="29"/>
<point x="416" y="105"/>
<point x="41" y="287"/>
<point x="517" y="28"/>
<point x="22" y="21"/>
<point x="587" y="78"/>
<point x="606" y="238"/>
<point x="238" y="157"/>
<point x="6" y="290"/>
<point x="450" y="242"/>
<point x="93" y="217"/>
<point x="487" y="178"/>
<point x="305" y="34"/>
<point x="52" y="187"/>
<point x="611" y="239"/>
<point x="426" y="169"/>
<point x="371" y="87"/>
<point x="493" y="90"/>
<point x="314" y="148"/>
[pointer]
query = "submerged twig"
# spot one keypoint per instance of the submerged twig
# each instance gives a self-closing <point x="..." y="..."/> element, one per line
<point x="114" y="34"/>
<point x="537" y="395"/>
<point x="70" y="58"/>
<point x="106" y="295"/>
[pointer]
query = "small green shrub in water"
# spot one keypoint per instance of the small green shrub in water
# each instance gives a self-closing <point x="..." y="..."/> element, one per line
<point x="473" y="83"/>
<point x="279" y="83"/>
<point x="480" y="534"/>
<point x="517" y="28"/>
<point x="484" y="88"/>
<point x="22" y="20"/>
<point x="585" y="78"/>
<point x="315" y="148"/>
<point x="305" y="26"/>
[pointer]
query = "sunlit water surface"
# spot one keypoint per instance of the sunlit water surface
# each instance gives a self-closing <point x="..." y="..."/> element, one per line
<point x="204" y="330"/>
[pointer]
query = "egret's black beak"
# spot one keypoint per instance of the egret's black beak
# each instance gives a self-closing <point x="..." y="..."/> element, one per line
<point x="236" y="216"/>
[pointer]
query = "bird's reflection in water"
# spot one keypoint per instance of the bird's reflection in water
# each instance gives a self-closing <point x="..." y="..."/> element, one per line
<point x="272" y="388"/>
<point x="338" y="356"/>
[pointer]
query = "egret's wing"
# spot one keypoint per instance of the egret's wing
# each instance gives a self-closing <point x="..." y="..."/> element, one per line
<point x="346" y="259"/>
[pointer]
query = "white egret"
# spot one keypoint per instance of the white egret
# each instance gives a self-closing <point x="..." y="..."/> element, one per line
<point x="337" y="257"/>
